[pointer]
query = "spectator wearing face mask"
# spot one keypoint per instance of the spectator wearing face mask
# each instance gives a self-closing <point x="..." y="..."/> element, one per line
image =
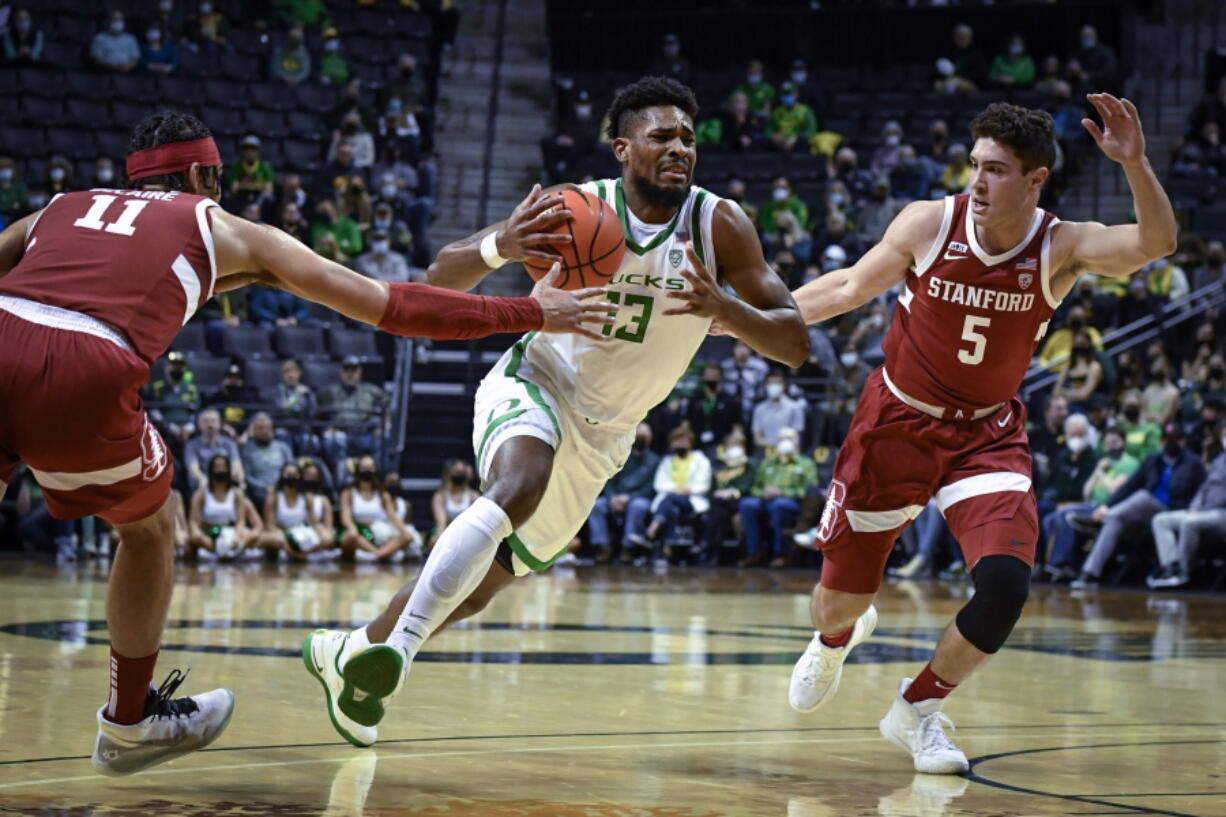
<point x="1110" y="473"/>
<point x="408" y="85"/>
<point x="208" y="28"/>
<point x="1058" y="348"/>
<point x="104" y="172"/>
<point x="712" y="413"/>
<point x="777" y="412"/>
<point x="783" y="200"/>
<point x="1051" y="76"/>
<point x="114" y="49"/>
<point x="291" y="61"/>
<point x="779" y="486"/>
<point x="59" y="176"/>
<point x="744" y="375"/>
<point x="1161" y="397"/>
<point x="177" y="397"/>
<point x="157" y="54"/>
<point x="233" y="398"/>
<point x="910" y="180"/>
<point x="878" y="212"/>
<point x="1013" y="68"/>
<point x="792" y="122"/>
<point x="965" y="68"/>
<point x="625" y="500"/>
<point x="761" y="93"/>
<point x="222" y="522"/>
<point x="1165" y="280"/>
<point x="736" y="192"/>
<point x="251" y="176"/>
<point x="887" y="157"/>
<point x="401" y="127"/>
<point x="1141" y="436"/>
<point x="398" y="233"/>
<point x="333" y="67"/>
<point x="732" y="479"/>
<point x="1178" y="534"/>
<point x="669" y="62"/>
<point x="381" y="262"/>
<point x="738" y="128"/>
<point x="210" y="442"/>
<point x="957" y="174"/>
<point x="23" y="42"/>
<point x="453" y="496"/>
<point x="1165" y="481"/>
<point x="290" y="219"/>
<point x="682" y="482"/>
<point x="1214" y="385"/>
<point x="857" y="183"/>
<point x="1083" y="374"/>
<point x="333" y="236"/>
<point x="1213" y="270"/>
<point x="1072" y="467"/>
<point x="353" y="134"/>
<point x="573" y="141"/>
<point x="355" y="411"/>
<point x="263" y="457"/>
<point x="1097" y="64"/>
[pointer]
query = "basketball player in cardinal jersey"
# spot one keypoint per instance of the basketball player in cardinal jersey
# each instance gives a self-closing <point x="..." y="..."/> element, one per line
<point x="982" y="272"/>
<point x="93" y="289"/>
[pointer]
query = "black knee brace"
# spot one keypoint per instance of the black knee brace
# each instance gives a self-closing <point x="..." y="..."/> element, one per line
<point x="1002" y="584"/>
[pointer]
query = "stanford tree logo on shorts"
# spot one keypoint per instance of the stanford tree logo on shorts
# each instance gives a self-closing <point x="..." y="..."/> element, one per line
<point x="834" y="502"/>
<point x="152" y="453"/>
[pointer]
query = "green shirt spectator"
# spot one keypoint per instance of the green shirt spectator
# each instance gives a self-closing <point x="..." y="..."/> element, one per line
<point x="333" y="67"/>
<point x="1111" y="475"/>
<point x="334" y="237"/>
<point x="291" y="62"/>
<point x="760" y="92"/>
<point x="782" y="200"/>
<point x="1014" y="67"/>
<point x="307" y="12"/>
<point x="177" y="391"/>
<point x="792" y="120"/>
<point x="1141" y="437"/>
<point x="251" y="173"/>
<point x="637" y="477"/>
<point x="12" y="190"/>
<point x="790" y="475"/>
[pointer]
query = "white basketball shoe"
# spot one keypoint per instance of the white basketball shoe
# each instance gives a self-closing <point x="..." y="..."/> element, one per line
<point x="815" y="678"/>
<point x="919" y="728"/>
<point x="172" y="727"/>
<point x="322" y="653"/>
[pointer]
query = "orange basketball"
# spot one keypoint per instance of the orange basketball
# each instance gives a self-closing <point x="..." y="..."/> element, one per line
<point x="594" y="255"/>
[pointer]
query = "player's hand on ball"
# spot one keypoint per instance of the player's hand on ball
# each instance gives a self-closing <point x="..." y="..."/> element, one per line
<point x="705" y="298"/>
<point x="1121" y="137"/>
<point x="526" y="233"/>
<point x="572" y="311"/>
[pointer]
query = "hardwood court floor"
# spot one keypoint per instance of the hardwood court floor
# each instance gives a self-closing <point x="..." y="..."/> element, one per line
<point x="600" y="692"/>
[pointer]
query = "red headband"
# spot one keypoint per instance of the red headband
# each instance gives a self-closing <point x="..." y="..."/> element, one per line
<point x="172" y="158"/>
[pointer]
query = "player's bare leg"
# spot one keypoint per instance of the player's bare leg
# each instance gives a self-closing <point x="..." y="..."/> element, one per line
<point x="841" y="620"/>
<point x="360" y="670"/>
<point x="138" y="727"/>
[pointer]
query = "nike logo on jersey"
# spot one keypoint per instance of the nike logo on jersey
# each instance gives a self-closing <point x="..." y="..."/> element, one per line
<point x="949" y="257"/>
<point x="1005" y="422"/>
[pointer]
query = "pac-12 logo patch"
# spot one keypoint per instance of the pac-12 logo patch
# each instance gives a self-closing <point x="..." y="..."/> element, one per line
<point x="674" y="257"/>
<point x="152" y="453"/>
<point x="1024" y="280"/>
<point x="835" y="496"/>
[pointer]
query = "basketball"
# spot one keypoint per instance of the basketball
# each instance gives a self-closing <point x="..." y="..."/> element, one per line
<point x="596" y="252"/>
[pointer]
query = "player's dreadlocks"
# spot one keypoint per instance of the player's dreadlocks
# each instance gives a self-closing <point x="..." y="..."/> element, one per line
<point x="1028" y="133"/>
<point x="163" y="128"/>
<point x="648" y="92"/>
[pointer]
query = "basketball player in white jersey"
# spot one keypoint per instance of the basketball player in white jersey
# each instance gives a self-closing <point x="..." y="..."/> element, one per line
<point x="555" y="418"/>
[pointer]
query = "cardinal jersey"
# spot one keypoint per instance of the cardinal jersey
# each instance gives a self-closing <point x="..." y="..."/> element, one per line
<point x="139" y="261"/>
<point x="968" y="322"/>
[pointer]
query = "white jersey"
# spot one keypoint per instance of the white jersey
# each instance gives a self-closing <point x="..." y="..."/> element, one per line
<point x="618" y="380"/>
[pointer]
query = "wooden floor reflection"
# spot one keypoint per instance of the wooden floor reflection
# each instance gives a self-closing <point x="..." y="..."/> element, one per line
<point x="601" y="692"/>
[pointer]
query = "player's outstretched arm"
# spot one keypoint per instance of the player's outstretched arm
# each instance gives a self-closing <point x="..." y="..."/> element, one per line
<point x="463" y="264"/>
<point x="765" y="316"/>
<point x="254" y="253"/>
<point x="1120" y="249"/>
<point x="879" y="269"/>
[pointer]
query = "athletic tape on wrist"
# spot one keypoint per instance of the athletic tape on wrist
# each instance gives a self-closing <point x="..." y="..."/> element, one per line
<point x="489" y="251"/>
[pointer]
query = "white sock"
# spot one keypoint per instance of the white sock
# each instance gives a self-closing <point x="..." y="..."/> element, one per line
<point x="456" y="566"/>
<point x="358" y="641"/>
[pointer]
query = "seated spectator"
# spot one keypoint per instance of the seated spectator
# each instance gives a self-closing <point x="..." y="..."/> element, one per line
<point x="294" y="400"/>
<point x="252" y="212"/>
<point x="178" y="398"/>
<point x="168" y="20"/>
<point x="957" y="174"/>
<point x="403" y="174"/>
<point x="290" y="523"/>
<point x="319" y="495"/>
<point x="158" y="54"/>
<point x="354" y="203"/>
<point x="878" y="212"/>
<point x="1083" y="375"/>
<point x="910" y="180"/>
<point x="1141" y="435"/>
<point x="779" y="485"/>
<point x="965" y="69"/>
<point x="222" y="523"/>
<point x="354" y="134"/>
<point x="573" y="142"/>
<point x="13" y="191"/>
<point x="1166" y="481"/>
<point x="887" y="157"/>
<point x="384" y="220"/>
<point x="682" y="481"/>
<point x="370" y="528"/>
<point x="1203" y="435"/>
<point x="209" y="443"/>
<point x="350" y="104"/>
<point x="59" y="176"/>
<point x="354" y="411"/>
<point x="712" y="413"/>
<point x="1047" y="438"/>
<point x="1051" y="77"/>
<point x="1070" y="469"/>
<point x="335" y="176"/>
<point x="335" y="238"/>
<point x="207" y="29"/>
<point x="935" y="154"/>
<point x="1178" y="534"/>
<point x="454" y="494"/>
<point x="263" y="457"/>
<point x="736" y="192"/>
<point x="1097" y="64"/>
<point x="408" y="85"/>
<point x="251" y="176"/>
<point x="291" y="62"/>
<point x="744" y="375"/>
<point x="626" y="498"/>
<point x="104" y="172"/>
<point x="733" y="476"/>
<point x="290" y="191"/>
<point x="1211" y="108"/>
<point x="23" y="43"/>
<point x="36" y="199"/>
<point x="857" y="183"/>
<point x="776" y="413"/>
<point x="1213" y="270"/>
<point x="1165" y="280"/>
<point x="333" y="67"/>
<point x="738" y="128"/>
<point x="115" y="49"/>
<point x="1014" y="68"/>
<point x="792" y="122"/>
<point x="302" y="12"/>
<point x="381" y="262"/>
<point x="791" y="233"/>
<point x="669" y="62"/>
<point x="291" y="221"/>
<point x="1161" y="397"/>
<point x="761" y="94"/>
<point x="233" y="398"/>
<point x="836" y="232"/>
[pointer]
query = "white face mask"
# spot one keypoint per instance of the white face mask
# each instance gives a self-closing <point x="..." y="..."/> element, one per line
<point x="116" y="26"/>
<point x="332" y="45"/>
<point x="1016" y="50"/>
<point x="166" y="5"/>
<point x="848" y="359"/>
<point x="893" y="140"/>
<point x="786" y="447"/>
<point x="206" y="8"/>
<point x="36" y="202"/>
<point x="1078" y="444"/>
<point x="774" y="390"/>
<point x="384" y="223"/>
<point x="799" y="77"/>
<point x="57" y="174"/>
<point x="780" y="194"/>
<point x="153" y="35"/>
<point x="735" y="454"/>
<point x="106" y="175"/>
<point x="754" y="79"/>
<point x="837" y="199"/>
<point x="381" y="246"/>
<point x="583" y="111"/>
<point x="388" y="191"/>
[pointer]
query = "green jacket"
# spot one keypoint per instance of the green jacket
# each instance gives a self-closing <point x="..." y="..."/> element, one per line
<point x="348" y="236"/>
<point x="334" y="68"/>
<point x="636" y="477"/>
<point x="1021" y="69"/>
<point x="760" y="95"/>
<point x="739" y="477"/>
<point x="793" y="204"/>
<point x="791" y="478"/>
<point x="1142" y="439"/>
<point x="1126" y="465"/>
<point x="797" y="120"/>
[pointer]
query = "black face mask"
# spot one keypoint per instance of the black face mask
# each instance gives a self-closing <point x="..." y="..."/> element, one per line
<point x="221" y="477"/>
<point x="1172" y="448"/>
<point x="174" y="375"/>
<point x="713" y="385"/>
<point x="313" y="485"/>
<point x="1115" y="452"/>
<point x="1077" y="324"/>
<point x="1217" y="372"/>
<point x="1082" y="351"/>
<point x="1132" y="413"/>
<point x="640" y="445"/>
<point x="289" y="482"/>
<point x="681" y="452"/>
<point x="458" y="479"/>
<point x="366" y="475"/>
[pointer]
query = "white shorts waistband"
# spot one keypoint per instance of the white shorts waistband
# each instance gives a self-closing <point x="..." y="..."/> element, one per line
<point x="59" y="318"/>
<point x="938" y="412"/>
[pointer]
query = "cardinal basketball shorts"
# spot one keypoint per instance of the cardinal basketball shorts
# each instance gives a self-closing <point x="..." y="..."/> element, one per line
<point x="896" y="458"/>
<point x="586" y="456"/>
<point x="70" y="408"/>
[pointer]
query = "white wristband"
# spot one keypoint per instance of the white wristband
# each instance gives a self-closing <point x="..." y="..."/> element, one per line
<point x="489" y="251"/>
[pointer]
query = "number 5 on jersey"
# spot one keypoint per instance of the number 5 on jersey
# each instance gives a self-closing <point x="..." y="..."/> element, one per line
<point x="974" y="356"/>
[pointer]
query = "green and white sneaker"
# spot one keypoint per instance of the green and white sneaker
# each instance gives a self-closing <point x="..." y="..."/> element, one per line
<point x="321" y="653"/>
<point x="372" y="675"/>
